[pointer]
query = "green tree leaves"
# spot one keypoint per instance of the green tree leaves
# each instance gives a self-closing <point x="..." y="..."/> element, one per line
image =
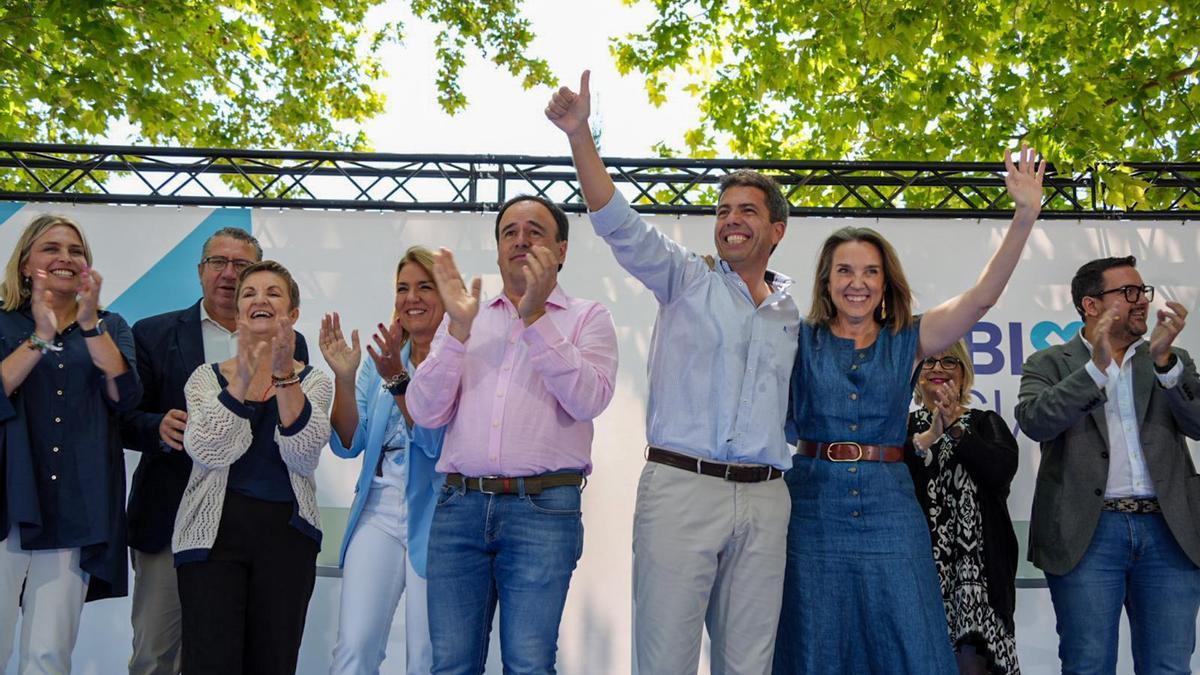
<point x="1085" y="81"/>
<point x="228" y="73"/>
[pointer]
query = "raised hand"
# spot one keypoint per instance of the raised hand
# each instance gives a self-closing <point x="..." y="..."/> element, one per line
<point x="1102" y="342"/>
<point x="390" y="341"/>
<point x="251" y="357"/>
<point x="946" y="402"/>
<point x="1024" y="179"/>
<point x="283" y="349"/>
<point x="569" y="111"/>
<point x="1170" y="322"/>
<point x="541" y="276"/>
<point x="40" y="300"/>
<point x="461" y="304"/>
<point x="342" y="358"/>
<point x="89" y="298"/>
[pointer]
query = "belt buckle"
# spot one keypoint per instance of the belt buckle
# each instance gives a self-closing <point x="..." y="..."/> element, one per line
<point x="855" y="459"/>
<point x="728" y="468"/>
<point x="481" y="490"/>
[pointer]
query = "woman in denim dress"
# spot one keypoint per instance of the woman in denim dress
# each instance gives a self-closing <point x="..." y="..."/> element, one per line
<point x="861" y="593"/>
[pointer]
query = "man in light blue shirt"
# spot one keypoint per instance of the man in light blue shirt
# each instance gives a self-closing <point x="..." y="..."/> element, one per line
<point x="711" y="519"/>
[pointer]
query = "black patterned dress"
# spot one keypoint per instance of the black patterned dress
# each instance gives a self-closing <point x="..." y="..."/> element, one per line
<point x="962" y="484"/>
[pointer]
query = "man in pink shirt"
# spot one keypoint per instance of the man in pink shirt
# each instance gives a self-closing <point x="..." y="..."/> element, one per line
<point x="518" y="380"/>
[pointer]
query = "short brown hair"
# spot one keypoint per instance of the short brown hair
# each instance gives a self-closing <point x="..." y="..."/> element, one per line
<point x="237" y="234"/>
<point x="271" y="266"/>
<point x="777" y="205"/>
<point x="895" y="310"/>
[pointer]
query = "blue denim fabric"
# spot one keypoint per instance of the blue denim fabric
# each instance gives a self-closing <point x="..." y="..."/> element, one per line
<point x="1133" y="561"/>
<point x="861" y="594"/>
<point x="839" y="393"/>
<point x="518" y="550"/>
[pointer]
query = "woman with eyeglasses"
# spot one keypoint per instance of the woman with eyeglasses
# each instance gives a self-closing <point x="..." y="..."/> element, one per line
<point x="962" y="461"/>
<point x="384" y="550"/>
<point x="68" y="371"/>
<point x="860" y="591"/>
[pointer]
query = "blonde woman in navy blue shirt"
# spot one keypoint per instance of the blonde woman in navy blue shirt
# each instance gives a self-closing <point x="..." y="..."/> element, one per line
<point x="67" y="371"/>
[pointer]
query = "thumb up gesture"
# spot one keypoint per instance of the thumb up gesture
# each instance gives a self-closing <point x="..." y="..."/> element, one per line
<point x="568" y="110"/>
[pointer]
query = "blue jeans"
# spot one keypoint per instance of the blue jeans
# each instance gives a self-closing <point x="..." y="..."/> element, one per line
<point x="1134" y="561"/>
<point x="518" y="550"/>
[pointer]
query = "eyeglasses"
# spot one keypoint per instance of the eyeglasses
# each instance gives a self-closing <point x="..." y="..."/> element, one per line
<point x="218" y="263"/>
<point x="947" y="363"/>
<point x="1132" y="293"/>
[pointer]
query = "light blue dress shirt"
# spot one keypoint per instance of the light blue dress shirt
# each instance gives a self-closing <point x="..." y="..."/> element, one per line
<point x="718" y="366"/>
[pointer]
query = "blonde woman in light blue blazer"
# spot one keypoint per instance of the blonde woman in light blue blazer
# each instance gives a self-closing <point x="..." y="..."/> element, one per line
<point x="397" y="487"/>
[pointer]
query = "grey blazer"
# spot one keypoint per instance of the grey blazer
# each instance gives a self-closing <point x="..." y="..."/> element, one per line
<point x="1062" y="408"/>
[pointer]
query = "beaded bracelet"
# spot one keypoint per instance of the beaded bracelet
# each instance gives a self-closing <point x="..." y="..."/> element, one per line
<point x="288" y="381"/>
<point x="38" y="344"/>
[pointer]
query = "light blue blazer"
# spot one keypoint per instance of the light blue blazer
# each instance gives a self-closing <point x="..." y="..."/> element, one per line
<point x="425" y="445"/>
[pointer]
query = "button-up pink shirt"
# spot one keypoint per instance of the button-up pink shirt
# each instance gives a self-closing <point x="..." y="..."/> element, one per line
<point x="519" y="401"/>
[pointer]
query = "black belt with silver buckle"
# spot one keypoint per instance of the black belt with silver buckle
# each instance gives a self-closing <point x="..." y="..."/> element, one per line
<point x="738" y="473"/>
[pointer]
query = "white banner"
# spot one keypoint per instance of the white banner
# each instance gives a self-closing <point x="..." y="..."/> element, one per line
<point x="344" y="262"/>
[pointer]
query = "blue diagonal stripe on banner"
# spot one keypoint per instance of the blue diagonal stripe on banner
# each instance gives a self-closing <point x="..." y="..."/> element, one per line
<point x="172" y="282"/>
<point x="7" y="209"/>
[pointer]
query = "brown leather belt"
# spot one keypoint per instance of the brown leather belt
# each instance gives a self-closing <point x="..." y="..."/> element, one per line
<point x="502" y="485"/>
<point x="849" y="451"/>
<point x="738" y="473"/>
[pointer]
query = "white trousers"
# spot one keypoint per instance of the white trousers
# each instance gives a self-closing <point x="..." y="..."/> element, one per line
<point x="54" y="591"/>
<point x="373" y="579"/>
<point x="707" y="551"/>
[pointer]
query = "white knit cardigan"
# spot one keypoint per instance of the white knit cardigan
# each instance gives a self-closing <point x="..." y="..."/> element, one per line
<point x="216" y="437"/>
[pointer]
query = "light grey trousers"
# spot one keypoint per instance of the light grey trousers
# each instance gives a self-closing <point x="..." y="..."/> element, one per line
<point x="707" y="552"/>
<point x="156" y="617"/>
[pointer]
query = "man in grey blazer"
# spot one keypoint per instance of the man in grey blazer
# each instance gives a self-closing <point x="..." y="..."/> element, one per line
<point x="1116" y="510"/>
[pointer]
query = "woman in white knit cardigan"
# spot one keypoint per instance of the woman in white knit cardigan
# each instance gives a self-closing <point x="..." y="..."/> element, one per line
<point x="247" y="534"/>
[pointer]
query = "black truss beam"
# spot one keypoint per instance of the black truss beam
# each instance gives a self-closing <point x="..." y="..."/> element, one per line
<point x="42" y="172"/>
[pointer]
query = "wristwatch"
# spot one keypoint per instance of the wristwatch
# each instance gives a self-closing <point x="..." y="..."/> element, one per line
<point x="397" y="384"/>
<point x="94" y="332"/>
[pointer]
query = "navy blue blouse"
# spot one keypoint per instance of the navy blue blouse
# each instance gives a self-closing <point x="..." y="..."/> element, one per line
<point x="839" y="393"/>
<point x="260" y="472"/>
<point x="64" y="469"/>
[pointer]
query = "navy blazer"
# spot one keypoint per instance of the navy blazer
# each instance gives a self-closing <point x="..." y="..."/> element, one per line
<point x="170" y="346"/>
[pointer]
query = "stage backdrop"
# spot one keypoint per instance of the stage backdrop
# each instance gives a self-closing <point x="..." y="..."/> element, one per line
<point x="344" y="262"/>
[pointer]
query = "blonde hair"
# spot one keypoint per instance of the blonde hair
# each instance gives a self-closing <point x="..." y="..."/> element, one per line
<point x="959" y="351"/>
<point x="418" y="255"/>
<point x="15" y="288"/>
<point x="896" y="308"/>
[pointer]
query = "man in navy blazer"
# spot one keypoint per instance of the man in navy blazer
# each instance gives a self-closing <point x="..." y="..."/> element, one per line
<point x="169" y="347"/>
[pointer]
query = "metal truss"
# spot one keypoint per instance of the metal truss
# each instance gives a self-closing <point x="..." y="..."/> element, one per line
<point x="400" y="182"/>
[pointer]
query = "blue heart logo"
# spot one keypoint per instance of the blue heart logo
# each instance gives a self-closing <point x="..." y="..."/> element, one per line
<point x="1043" y="331"/>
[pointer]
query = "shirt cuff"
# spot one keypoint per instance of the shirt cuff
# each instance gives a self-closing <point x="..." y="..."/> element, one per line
<point x="1100" y="378"/>
<point x="610" y="216"/>
<point x="542" y="335"/>
<point x="1171" y="377"/>
<point x="235" y="406"/>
